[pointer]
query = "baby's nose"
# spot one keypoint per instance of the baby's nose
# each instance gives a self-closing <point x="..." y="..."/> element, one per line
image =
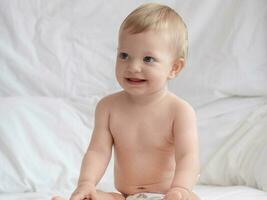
<point x="134" y="67"/>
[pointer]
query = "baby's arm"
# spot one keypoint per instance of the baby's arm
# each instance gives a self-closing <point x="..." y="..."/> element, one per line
<point x="98" y="154"/>
<point x="186" y="147"/>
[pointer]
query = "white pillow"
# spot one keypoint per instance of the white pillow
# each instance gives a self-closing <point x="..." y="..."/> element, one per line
<point x="242" y="160"/>
<point x="218" y="120"/>
<point x="42" y="141"/>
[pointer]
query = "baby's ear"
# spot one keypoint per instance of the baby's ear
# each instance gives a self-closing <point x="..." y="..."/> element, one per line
<point x="176" y="67"/>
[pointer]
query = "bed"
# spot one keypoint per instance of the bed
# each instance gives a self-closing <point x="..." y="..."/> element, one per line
<point x="57" y="61"/>
<point x="206" y="193"/>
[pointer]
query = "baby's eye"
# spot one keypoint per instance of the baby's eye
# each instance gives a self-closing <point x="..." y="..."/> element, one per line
<point x="149" y="59"/>
<point x="123" y="56"/>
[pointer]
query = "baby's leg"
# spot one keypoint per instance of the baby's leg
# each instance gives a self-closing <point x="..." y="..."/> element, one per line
<point x="109" y="195"/>
<point x="101" y="195"/>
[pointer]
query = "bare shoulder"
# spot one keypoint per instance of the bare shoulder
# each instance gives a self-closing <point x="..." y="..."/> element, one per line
<point x="109" y="101"/>
<point x="181" y="107"/>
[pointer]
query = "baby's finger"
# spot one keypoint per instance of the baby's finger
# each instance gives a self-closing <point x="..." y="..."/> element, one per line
<point x="77" y="196"/>
<point x="93" y="196"/>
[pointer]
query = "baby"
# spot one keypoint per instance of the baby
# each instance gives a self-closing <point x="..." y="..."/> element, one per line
<point x="153" y="132"/>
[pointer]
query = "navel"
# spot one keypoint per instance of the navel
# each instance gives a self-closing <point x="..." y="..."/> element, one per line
<point x="141" y="188"/>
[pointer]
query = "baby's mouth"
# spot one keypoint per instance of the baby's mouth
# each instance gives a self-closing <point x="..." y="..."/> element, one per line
<point x="135" y="80"/>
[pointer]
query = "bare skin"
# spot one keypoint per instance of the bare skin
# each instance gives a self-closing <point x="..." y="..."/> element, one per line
<point x="145" y="135"/>
<point x="152" y="131"/>
<point x="144" y="144"/>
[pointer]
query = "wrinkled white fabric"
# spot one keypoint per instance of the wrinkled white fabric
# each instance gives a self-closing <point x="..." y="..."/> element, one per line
<point x="42" y="142"/>
<point x="242" y="159"/>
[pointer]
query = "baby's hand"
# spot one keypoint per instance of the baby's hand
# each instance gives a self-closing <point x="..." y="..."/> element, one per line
<point x="177" y="193"/>
<point x="84" y="191"/>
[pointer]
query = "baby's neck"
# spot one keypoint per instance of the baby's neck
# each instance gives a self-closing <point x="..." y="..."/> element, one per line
<point x="145" y="100"/>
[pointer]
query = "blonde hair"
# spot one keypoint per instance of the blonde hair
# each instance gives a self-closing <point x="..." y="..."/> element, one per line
<point x="153" y="16"/>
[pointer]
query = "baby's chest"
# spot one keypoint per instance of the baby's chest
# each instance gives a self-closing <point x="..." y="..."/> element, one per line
<point x="131" y="130"/>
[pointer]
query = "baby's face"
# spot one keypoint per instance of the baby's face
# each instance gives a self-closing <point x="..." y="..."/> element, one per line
<point x="144" y="61"/>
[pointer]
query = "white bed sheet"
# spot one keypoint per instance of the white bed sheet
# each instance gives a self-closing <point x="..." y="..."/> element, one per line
<point x="229" y="193"/>
<point x="205" y="193"/>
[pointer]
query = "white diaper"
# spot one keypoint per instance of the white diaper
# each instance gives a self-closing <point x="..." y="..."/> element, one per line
<point x="146" y="196"/>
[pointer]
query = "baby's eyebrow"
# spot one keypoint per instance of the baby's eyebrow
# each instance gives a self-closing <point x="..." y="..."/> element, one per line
<point x="120" y="49"/>
<point x="148" y="53"/>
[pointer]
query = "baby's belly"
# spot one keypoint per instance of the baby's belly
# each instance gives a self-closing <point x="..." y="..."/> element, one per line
<point x="144" y="172"/>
